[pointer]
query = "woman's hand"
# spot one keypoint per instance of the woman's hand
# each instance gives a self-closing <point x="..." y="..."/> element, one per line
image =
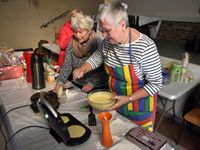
<point x="58" y="85"/>
<point x="121" y="100"/>
<point x="87" y="88"/>
<point x="78" y="73"/>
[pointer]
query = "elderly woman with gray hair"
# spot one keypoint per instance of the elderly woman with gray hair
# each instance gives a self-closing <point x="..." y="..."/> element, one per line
<point x="133" y="65"/>
<point x="82" y="45"/>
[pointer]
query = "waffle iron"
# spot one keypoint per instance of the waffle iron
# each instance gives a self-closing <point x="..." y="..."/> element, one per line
<point x="50" y="96"/>
<point x="59" y="129"/>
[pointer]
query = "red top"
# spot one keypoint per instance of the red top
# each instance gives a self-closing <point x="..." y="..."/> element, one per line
<point x="65" y="36"/>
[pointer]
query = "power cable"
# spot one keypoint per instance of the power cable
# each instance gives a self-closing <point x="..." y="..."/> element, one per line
<point x="2" y="118"/>
<point x="4" y="137"/>
<point x="10" y="138"/>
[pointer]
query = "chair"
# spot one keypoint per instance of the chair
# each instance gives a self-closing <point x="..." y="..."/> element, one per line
<point x="191" y="110"/>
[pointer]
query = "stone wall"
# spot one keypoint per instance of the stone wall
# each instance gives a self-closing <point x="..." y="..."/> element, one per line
<point x="180" y="32"/>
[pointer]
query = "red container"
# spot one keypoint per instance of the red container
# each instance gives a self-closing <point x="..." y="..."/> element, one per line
<point x="11" y="72"/>
<point x="27" y="56"/>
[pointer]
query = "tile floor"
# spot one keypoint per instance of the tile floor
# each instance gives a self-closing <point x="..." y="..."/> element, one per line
<point x="189" y="140"/>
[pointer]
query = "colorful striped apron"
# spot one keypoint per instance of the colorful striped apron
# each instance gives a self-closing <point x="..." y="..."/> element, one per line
<point x="124" y="81"/>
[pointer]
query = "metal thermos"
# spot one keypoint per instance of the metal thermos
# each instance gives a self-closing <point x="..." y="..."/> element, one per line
<point x="38" y="81"/>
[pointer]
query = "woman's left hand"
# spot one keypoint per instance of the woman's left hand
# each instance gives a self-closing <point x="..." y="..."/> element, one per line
<point x="87" y="88"/>
<point x="121" y="100"/>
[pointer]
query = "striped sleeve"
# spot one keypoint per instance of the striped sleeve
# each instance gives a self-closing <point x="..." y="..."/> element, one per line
<point x="145" y="59"/>
<point x="97" y="57"/>
<point x="151" y="67"/>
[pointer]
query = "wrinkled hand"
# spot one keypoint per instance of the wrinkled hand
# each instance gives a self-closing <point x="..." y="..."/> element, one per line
<point x="87" y="88"/>
<point x="77" y="73"/>
<point x="121" y="100"/>
<point x="58" y="85"/>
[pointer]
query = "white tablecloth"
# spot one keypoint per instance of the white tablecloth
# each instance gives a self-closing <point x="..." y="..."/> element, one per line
<point x="36" y="138"/>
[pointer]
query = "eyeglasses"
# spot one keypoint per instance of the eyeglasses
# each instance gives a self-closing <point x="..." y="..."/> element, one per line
<point x="104" y="31"/>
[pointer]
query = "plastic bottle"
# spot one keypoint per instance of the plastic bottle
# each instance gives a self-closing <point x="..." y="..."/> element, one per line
<point x="50" y="72"/>
<point x="104" y="117"/>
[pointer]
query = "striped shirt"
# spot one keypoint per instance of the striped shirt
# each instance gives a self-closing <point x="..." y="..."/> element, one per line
<point x="145" y="59"/>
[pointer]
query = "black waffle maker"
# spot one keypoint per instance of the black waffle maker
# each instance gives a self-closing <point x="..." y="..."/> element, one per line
<point x="50" y="96"/>
<point x="59" y="129"/>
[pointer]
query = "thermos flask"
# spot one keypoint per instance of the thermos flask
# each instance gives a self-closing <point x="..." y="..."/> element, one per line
<point x="37" y="69"/>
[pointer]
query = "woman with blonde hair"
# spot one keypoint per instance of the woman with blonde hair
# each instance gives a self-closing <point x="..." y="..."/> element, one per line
<point x="82" y="45"/>
<point x="65" y="35"/>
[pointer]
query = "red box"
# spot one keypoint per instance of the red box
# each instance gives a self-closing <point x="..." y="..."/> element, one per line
<point x="11" y="72"/>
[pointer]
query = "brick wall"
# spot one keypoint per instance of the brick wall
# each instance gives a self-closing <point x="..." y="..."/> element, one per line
<point x="179" y="32"/>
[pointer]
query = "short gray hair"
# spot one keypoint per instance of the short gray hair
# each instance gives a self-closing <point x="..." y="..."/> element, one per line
<point x="113" y="12"/>
<point x="82" y="22"/>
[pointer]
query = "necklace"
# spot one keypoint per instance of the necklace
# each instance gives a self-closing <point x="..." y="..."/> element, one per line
<point x="127" y="37"/>
<point x="119" y="47"/>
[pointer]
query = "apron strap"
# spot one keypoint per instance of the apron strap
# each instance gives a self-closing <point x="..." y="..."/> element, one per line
<point x="130" y="48"/>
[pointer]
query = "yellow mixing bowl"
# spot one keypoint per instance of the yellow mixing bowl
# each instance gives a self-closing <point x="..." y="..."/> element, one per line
<point x="101" y="99"/>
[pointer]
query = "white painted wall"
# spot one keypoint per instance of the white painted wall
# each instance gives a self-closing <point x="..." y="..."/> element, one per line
<point x="20" y="20"/>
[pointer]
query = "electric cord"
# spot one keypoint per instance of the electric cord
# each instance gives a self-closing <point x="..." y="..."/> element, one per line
<point x="10" y="138"/>
<point x="4" y="136"/>
<point x="3" y="117"/>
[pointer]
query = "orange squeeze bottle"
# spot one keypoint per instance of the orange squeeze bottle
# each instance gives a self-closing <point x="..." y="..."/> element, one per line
<point x="104" y="117"/>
